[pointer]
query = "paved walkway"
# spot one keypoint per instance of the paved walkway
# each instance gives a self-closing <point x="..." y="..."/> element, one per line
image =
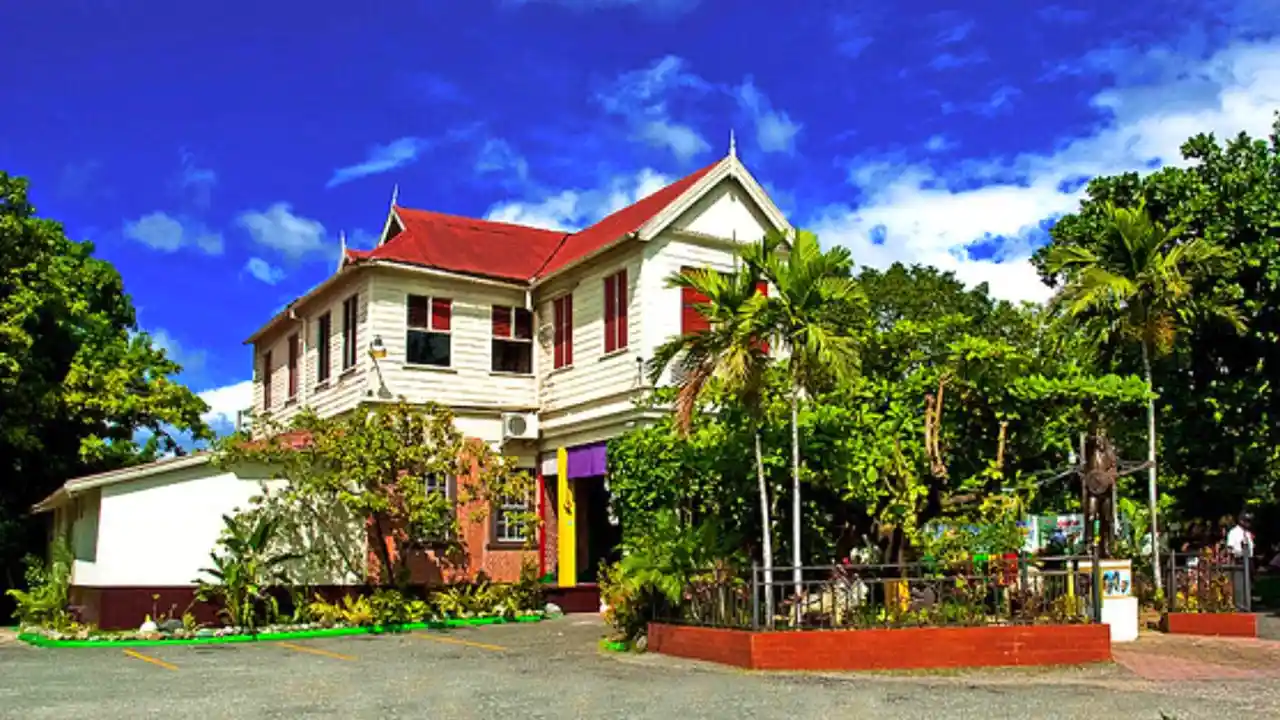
<point x="1173" y="658"/>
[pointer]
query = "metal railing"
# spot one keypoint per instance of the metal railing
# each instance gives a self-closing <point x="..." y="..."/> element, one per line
<point x="1003" y="591"/>
<point x="1208" y="582"/>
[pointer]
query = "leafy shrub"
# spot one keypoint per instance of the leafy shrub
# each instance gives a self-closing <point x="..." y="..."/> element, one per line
<point x="245" y="570"/>
<point x="391" y="607"/>
<point x="44" y="602"/>
<point x="352" y="610"/>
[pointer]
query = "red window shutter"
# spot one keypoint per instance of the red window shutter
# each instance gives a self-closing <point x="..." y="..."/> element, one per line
<point x="266" y="380"/>
<point x="441" y="314"/>
<point x="568" y="329"/>
<point x="524" y="324"/>
<point x="293" y="365"/>
<point x="558" y="324"/>
<point x="621" y="298"/>
<point x="501" y="321"/>
<point x="691" y="319"/>
<point x="610" y="314"/>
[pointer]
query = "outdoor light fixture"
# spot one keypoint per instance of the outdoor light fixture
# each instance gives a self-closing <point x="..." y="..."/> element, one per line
<point x="377" y="350"/>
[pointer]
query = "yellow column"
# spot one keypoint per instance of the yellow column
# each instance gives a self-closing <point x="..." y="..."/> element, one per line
<point x="566" y="534"/>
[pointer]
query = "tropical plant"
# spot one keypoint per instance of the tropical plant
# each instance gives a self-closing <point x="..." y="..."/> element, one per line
<point x="390" y="608"/>
<point x="44" y="603"/>
<point x="352" y="610"/>
<point x="1139" y="284"/>
<point x="808" y="312"/>
<point x="730" y="351"/>
<point x="245" y="569"/>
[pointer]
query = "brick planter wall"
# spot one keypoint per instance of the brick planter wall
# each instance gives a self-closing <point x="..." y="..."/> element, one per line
<point x="1220" y="624"/>
<point x="886" y="649"/>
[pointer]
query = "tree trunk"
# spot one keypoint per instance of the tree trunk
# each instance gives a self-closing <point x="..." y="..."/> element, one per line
<point x="1151" y="471"/>
<point x="766" y="534"/>
<point x="796" y="575"/>
<point x="388" y="574"/>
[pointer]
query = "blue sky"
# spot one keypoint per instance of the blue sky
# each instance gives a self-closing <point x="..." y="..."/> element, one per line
<point x="214" y="151"/>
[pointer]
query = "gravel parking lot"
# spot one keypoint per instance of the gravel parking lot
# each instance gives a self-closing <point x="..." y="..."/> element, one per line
<point x="554" y="670"/>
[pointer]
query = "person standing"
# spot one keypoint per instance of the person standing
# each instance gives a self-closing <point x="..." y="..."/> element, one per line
<point x="1240" y="545"/>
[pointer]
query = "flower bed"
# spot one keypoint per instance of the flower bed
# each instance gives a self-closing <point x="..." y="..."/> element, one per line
<point x="44" y="638"/>
<point x="1221" y="624"/>
<point x="887" y="649"/>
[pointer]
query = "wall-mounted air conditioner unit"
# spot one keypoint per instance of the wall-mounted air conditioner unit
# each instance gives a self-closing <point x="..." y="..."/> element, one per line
<point x="519" y="426"/>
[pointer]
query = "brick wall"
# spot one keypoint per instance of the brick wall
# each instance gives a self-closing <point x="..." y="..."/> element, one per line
<point x="1219" y="624"/>
<point x="887" y="649"/>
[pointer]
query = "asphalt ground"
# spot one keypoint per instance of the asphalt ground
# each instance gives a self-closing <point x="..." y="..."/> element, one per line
<point x="554" y="669"/>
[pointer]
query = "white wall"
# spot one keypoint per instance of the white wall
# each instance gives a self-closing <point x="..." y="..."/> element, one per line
<point x="159" y="530"/>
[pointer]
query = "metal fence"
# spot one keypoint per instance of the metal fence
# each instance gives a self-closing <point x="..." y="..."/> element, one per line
<point x="1208" y="582"/>
<point x="1003" y="591"/>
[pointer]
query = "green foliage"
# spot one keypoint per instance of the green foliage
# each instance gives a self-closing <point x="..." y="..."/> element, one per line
<point x="352" y="611"/>
<point x="390" y="608"/>
<point x="80" y="386"/>
<point x="374" y="465"/>
<point x="245" y="570"/>
<point x="44" y="603"/>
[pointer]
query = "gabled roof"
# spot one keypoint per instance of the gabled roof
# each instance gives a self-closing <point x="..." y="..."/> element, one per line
<point x="512" y="252"/>
<point x="465" y="245"/>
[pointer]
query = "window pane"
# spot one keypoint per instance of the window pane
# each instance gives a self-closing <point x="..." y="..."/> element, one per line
<point x="513" y="357"/>
<point x="419" y="312"/>
<point x="441" y="314"/>
<point x="322" y="348"/>
<point x="501" y="321"/>
<point x="524" y="324"/>
<point x="427" y="348"/>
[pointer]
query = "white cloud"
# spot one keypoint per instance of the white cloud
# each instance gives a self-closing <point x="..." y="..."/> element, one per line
<point x="381" y="159"/>
<point x="938" y="143"/>
<point x="225" y="403"/>
<point x="264" y="271"/>
<point x="192" y="361"/>
<point x="196" y="182"/>
<point x="574" y="209"/>
<point x="280" y="229"/>
<point x="641" y="97"/>
<point x="166" y="233"/>
<point x="497" y="156"/>
<point x="775" y="130"/>
<point x="911" y="214"/>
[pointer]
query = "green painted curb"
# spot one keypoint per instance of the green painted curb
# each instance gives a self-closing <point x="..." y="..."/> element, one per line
<point x="42" y="641"/>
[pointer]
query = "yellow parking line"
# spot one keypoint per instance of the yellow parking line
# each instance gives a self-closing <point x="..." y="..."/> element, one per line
<point x="455" y="641"/>
<point x="148" y="658"/>
<point x="315" y="651"/>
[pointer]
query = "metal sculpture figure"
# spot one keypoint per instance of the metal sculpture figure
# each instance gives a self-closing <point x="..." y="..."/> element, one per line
<point x="1098" y="468"/>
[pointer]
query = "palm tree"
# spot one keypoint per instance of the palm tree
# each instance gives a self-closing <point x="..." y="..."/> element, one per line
<point x="730" y="351"/>
<point x="811" y="290"/>
<point x="1139" y="283"/>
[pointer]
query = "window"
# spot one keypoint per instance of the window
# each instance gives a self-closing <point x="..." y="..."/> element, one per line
<point x="512" y="340"/>
<point x="691" y="318"/>
<point x="266" y="381"/>
<point x="293" y="366"/>
<point x="508" y="521"/>
<point x="322" y="347"/>
<point x="443" y="487"/>
<point x="428" y="341"/>
<point x="350" y="315"/>
<point x="615" y="311"/>
<point x="563" y="311"/>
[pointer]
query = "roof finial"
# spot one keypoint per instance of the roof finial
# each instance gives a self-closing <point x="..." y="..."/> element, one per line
<point x="733" y="144"/>
<point x="395" y="194"/>
<point x="342" y="248"/>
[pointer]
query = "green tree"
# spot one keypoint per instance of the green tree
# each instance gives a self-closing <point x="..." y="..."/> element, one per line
<point x="80" y="386"/>
<point x="375" y="465"/>
<point x="1138" y="284"/>
<point x="808" y="311"/>
<point x="731" y="352"/>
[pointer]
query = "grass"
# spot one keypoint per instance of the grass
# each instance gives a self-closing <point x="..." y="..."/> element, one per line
<point x="41" y="641"/>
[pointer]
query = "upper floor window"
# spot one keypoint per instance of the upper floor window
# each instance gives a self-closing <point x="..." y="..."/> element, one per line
<point x="350" y="316"/>
<point x="293" y="366"/>
<point x="512" y="340"/>
<point x="323" y="328"/>
<point x="266" y="380"/>
<point x="444" y="488"/>
<point x="428" y="340"/>
<point x="562" y="310"/>
<point x="691" y="318"/>
<point x="615" y="311"/>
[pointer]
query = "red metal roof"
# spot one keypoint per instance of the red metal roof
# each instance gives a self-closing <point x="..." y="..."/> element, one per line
<point x="512" y="252"/>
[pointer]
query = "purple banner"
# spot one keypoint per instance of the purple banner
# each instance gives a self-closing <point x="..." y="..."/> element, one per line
<point x="586" y="461"/>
